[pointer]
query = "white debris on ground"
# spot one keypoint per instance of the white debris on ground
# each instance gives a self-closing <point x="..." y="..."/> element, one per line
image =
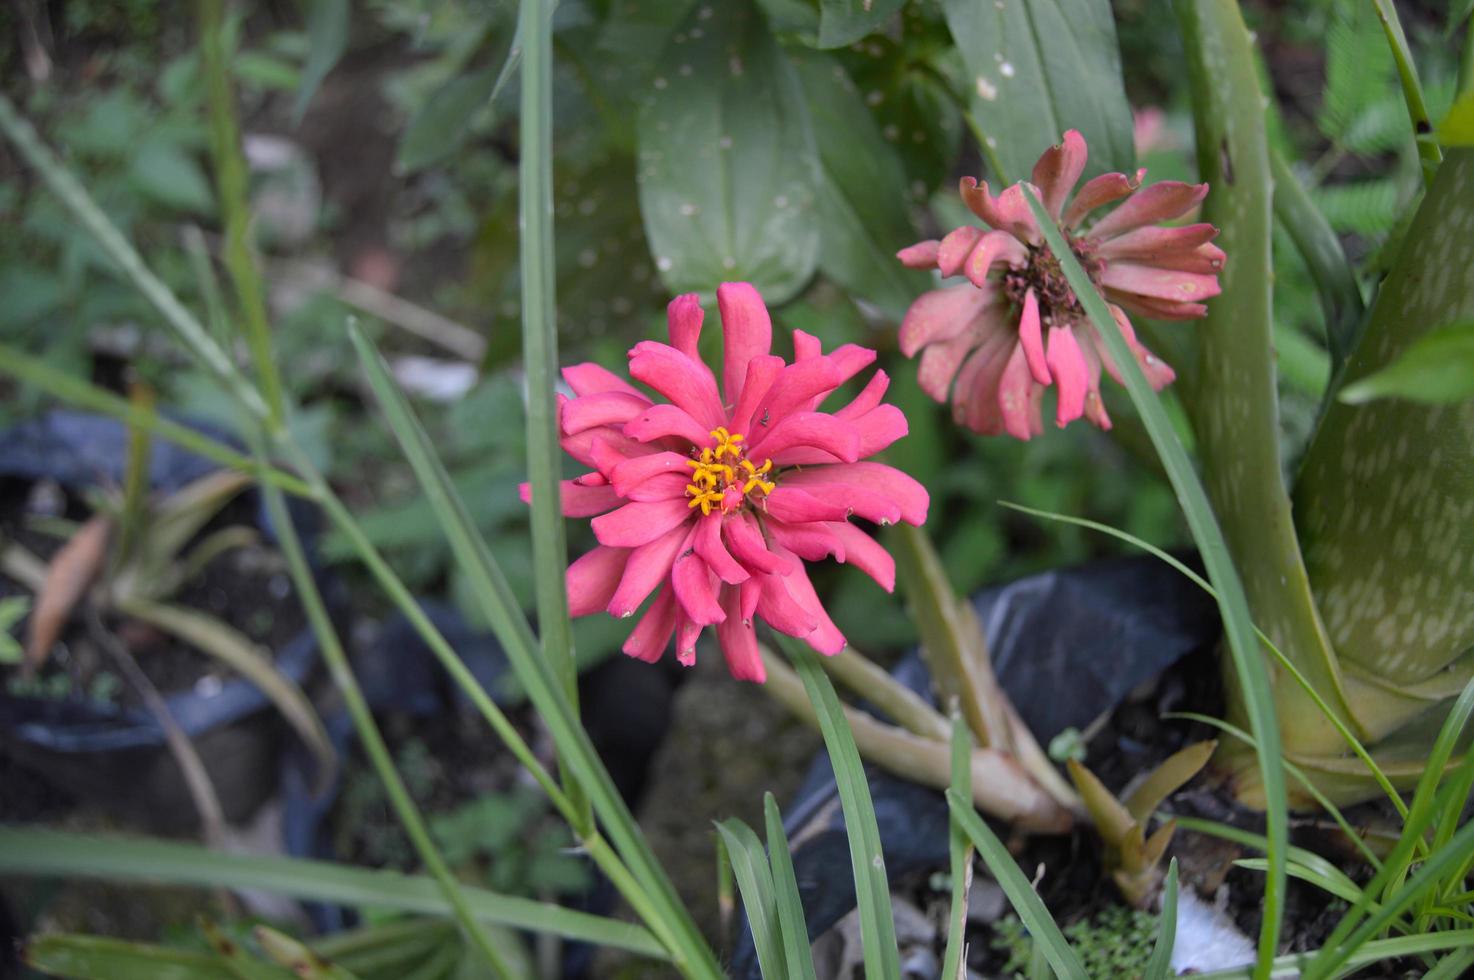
<point x="1207" y="939"/>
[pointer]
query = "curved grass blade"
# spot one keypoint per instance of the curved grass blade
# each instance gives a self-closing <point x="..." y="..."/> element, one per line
<point x="1020" y="892"/>
<point x="1412" y="90"/>
<point x="755" y="882"/>
<point x="50" y="853"/>
<point x="796" y="950"/>
<point x="1372" y="952"/>
<point x="100" y="958"/>
<point x="872" y="890"/>
<point x="959" y="853"/>
<point x="1312" y="867"/>
<point x="1159" y="967"/>
<point x="1232" y="603"/>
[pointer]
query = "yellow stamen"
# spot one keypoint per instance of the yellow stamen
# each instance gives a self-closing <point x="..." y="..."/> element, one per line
<point x="712" y="478"/>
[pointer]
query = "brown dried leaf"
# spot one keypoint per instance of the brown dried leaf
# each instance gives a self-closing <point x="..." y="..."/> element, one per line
<point x="72" y="570"/>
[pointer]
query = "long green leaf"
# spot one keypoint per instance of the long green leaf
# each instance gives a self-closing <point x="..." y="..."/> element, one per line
<point x="1412" y="90"/>
<point x="665" y="913"/>
<point x="1234" y="607"/>
<point x="1372" y="952"/>
<point x="540" y="349"/>
<point x="100" y="958"/>
<point x="1159" y="967"/>
<point x="755" y="882"/>
<point x="959" y="857"/>
<point x="1020" y="892"/>
<point x="797" y="953"/>
<point x="142" y="860"/>
<point x="872" y="890"/>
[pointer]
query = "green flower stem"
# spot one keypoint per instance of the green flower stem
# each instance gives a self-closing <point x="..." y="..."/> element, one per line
<point x="75" y="198"/>
<point x="363" y="722"/>
<point x="895" y="700"/>
<point x="231" y="183"/>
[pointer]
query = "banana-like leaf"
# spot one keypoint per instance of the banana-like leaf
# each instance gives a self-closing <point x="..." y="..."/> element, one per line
<point x="1385" y="498"/>
<point x="1234" y="402"/>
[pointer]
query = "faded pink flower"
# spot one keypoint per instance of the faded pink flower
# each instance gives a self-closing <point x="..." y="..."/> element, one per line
<point x="714" y="503"/>
<point x="1015" y="327"/>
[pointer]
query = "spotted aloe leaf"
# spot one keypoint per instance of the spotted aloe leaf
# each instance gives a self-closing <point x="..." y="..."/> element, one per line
<point x="1386" y="494"/>
<point x="727" y="164"/>
<point x="1037" y="68"/>
<point x="1232" y="393"/>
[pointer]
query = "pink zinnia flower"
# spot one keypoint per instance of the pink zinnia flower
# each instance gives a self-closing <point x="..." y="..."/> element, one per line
<point x="1015" y="327"/>
<point x="714" y="503"/>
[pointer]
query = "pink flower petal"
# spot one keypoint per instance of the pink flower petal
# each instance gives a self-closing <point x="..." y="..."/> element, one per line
<point x="1008" y="211"/>
<point x="814" y="430"/>
<point x="578" y="500"/>
<point x="708" y="544"/>
<point x="806" y="346"/>
<point x="650" y="638"/>
<point x="1155" y="244"/>
<point x="922" y="255"/>
<point x="975" y="401"/>
<point x="1165" y="284"/>
<point x="648" y="566"/>
<point x="1015" y="398"/>
<point x="581" y="445"/>
<point x="629" y="474"/>
<point x="604" y="408"/>
<point x="1098" y="192"/>
<point x="663" y="487"/>
<point x="939" y="365"/>
<point x="993" y="248"/>
<point x="639" y="523"/>
<point x="877" y="479"/>
<point x="593" y="578"/>
<point x="1156" y="309"/>
<point x="687" y="633"/>
<point x="880" y="427"/>
<point x="826" y="637"/>
<point x="811" y="542"/>
<point x="797" y="387"/>
<point x="955" y="249"/>
<point x="1158" y="202"/>
<point x="745" y="539"/>
<point x="738" y="640"/>
<point x="1032" y="338"/>
<point x="1070" y="375"/>
<point x="591" y="379"/>
<point x="1158" y="372"/>
<point x="796" y="506"/>
<point x="683" y="316"/>
<point x="866" y="554"/>
<point x="691" y="579"/>
<point x="662" y="421"/>
<point x="941" y="315"/>
<point x="687" y="384"/>
<point x="1058" y="170"/>
<point x="761" y="373"/>
<point x="778" y="609"/>
<point x="747" y="332"/>
<point x="868" y="397"/>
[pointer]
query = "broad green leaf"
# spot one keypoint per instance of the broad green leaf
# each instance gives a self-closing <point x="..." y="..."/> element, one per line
<point x="862" y="212"/>
<point x="141" y="860"/>
<point x="1386" y="489"/>
<point x="727" y="164"/>
<point x="1436" y="368"/>
<point x="100" y="958"/>
<point x="1233" y="399"/>
<point x="446" y="120"/>
<point x="328" y="22"/>
<point x="1457" y="128"/>
<point x="167" y="174"/>
<point x="1036" y="68"/>
<point x="844" y="21"/>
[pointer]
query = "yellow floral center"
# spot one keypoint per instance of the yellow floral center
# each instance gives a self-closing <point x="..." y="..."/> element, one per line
<point x="724" y="476"/>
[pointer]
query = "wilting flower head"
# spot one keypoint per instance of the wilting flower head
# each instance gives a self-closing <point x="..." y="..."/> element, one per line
<point x="1015" y="327"/>
<point x="716" y="497"/>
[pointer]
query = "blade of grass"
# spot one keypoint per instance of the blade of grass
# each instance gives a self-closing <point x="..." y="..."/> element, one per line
<point x="657" y="901"/>
<point x="959" y="857"/>
<point x="1372" y="952"/>
<point x="100" y="958"/>
<point x="50" y="853"/>
<point x="87" y="214"/>
<point x="540" y="348"/>
<point x="755" y="882"/>
<point x="1452" y="966"/>
<point x="1429" y="152"/>
<point x="1020" y="892"/>
<point x="367" y="729"/>
<point x="1320" y="871"/>
<point x="1232" y="603"/>
<point x="230" y="183"/>
<point x="1159" y="967"/>
<point x="797" y="954"/>
<point x="872" y="890"/>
